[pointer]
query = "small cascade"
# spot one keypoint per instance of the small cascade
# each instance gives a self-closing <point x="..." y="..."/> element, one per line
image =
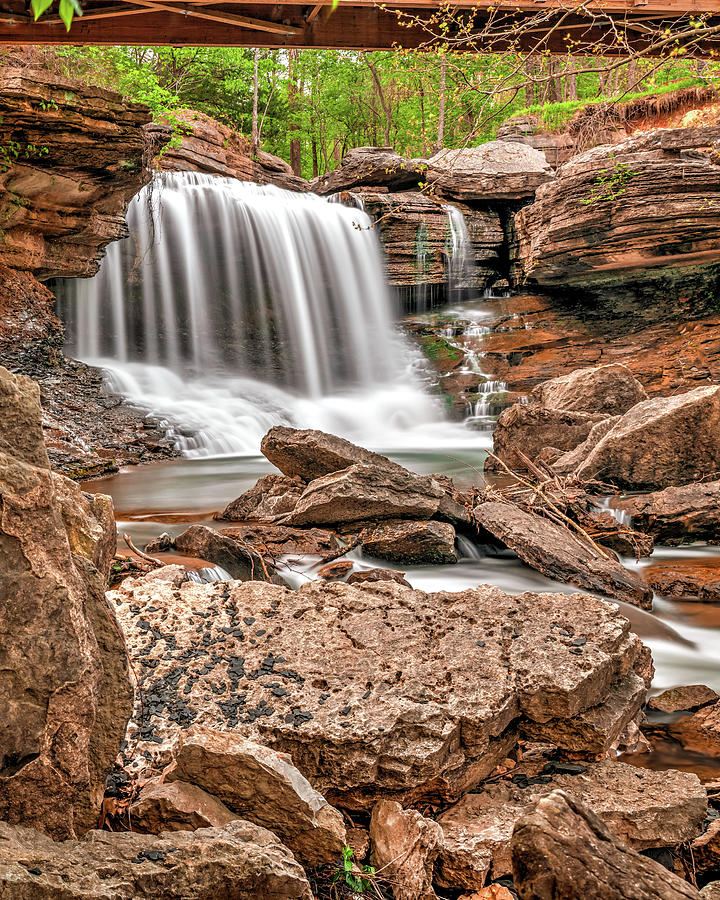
<point x="232" y="307"/>
<point x="487" y="398"/>
<point x="459" y="253"/>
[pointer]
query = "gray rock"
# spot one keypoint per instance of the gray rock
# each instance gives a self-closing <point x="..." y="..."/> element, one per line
<point x="272" y="496"/>
<point x="431" y="543"/>
<point x="611" y="390"/>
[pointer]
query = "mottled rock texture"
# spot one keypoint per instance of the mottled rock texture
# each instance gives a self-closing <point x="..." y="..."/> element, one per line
<point x="64" y="686"/>
<point x="366" y="686"/>
<point x="404" y="847"/>
<point x="372" y="167"/>
<point x="177" y="806"/>
<point x="653" y="217"/>
<point x="691" y="696"/>
<point x="562" y="851"/>
<point x="677" y="515"/>
<point x="238" y="862"/>
<point x="430" y="543"/>
<point x="272" y="496"/>
<point x="611" y="390"/>
<point x="643" y="808"/>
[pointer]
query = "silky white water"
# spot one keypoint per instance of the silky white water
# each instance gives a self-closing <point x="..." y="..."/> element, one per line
<point x="232" y="307"/>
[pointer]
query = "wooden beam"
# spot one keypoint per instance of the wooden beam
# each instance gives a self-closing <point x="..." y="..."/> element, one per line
<point x="226" y="18"/>
<point x="314" y="12"/>
<point x="109" y="12"/>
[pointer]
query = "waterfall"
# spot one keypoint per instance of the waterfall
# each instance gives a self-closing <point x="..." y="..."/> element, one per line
<point x="459" y="269"/>
<point x="232" y="307"/>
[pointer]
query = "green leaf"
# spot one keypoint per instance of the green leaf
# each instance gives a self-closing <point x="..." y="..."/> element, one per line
<point x="67" y="12"/>
<point x="39" y="7"/>
<point x="335" y="4"/>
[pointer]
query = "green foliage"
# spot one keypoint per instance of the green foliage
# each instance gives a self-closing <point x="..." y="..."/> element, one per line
<point x="352" y="875"/>
<point x="67" y="9"/>
<point x="610" y="183"/>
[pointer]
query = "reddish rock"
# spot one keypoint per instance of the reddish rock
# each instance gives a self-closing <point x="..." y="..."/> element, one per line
<point x="660" y="442"/>
<point x="31" y="335"/>
<point x="177" y="806"/>
<point x="64" y="684"/>
<point x="685" y="579"/>
<point x="366" y="576"/>
<point x="563" y="850"/>
<point x="491" y="892"/>
<point x="642" y="808"/>
<point x="21" y="435"/>
<point x="677" y="515"/>
<point x="243" y="860"/>
<point x="705" y="851"/>
<point x="271" y="497"/>
<point x="429" y="543"/>
<point x="689" y="697"/>
<point x="263" y="786"/>
<point x="565" y="463"/>
<point x="404" y="847"/>
<point x="280" y="540"/>
<point x="610" y="389"/>
<point x="529" y="428"/>
<point x="336" y="570"/>
<point x="559" y="553"/>
<point x="700" y="731"/>
<point x="222" y="549"/>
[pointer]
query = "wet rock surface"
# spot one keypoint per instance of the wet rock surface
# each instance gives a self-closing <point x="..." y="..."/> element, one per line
<point x="307" y="672"/>
<point x="271" y="496"/>
<point x="642" y="808"/>
<point x="223" y="548"/>
<point x="559" y="554"/>
<point x="430" y="543"/>
<point x="563" y="850"/>
<point x="677" y="515"/>
<point x="64" y="683"/>
<point x="685" y="580"/>
<point x="691" y="696"/>
<point x="243" y="861"/>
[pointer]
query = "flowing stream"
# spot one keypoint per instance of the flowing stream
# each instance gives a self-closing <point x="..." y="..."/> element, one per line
<point x="233" y="307"/>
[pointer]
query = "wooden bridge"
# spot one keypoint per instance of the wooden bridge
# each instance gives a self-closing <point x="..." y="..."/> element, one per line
<point x="557" y="26"/>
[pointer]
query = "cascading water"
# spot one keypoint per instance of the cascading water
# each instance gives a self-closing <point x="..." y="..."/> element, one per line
<point x="459" y="269"/>
<point x="233" y="307"/>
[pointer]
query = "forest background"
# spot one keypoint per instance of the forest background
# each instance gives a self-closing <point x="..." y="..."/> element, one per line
<point x="311" y="106"/>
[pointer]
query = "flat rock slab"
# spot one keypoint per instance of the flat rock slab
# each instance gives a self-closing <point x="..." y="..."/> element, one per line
<point x="562" y="850"/>
<point x="177" y="806"/>
<point x="559" y="554"/>
<point x="643" y="808"/>
<point x="685" y="579"/>
<point x="238" y="862"/>
<point x="429" y="543"/>
<point x="270" y="497"/>
<point x="690" y="696"/>
<point x="367" y="686"/>
<point x="610" y="389"/>
<point x="677" y="515"/>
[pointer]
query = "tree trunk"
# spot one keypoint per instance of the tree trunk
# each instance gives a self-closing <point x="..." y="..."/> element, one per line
<point x="381" y="96"/>
<point x="293" y="124"/>
<point x="571" y="86"/>
<point x="441" y="112"/>
<point x="531" y="66"/>
<point x="255" y="135"/>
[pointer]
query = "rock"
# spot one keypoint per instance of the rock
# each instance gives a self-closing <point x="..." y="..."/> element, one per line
<point x="565" y="463"/>
<point x="705" y="851"/>
<point x="21" y="436"/>
<point x="677" y="515"/>
<point x="371" y="575"/>
<point x="529" y="428"/>
<point x="404" y="847"/>
<point x="496" y="170"/>
<point x="272" y="496"/>
<point x="308" y="454"/>
<point x="31" y="335"/>
<point x="660" y="442"/>
<point x="177" y="806"/>
<point x="562" y="850"/>
<point x="610" y="389"/>
<point x="220" y="548"/>
<point x="558" y="553"/>
<point x="416" y="233"/>
<point x="491" y="892"/>
<point x="429" y="543"/>
<point x="642" y="808"/>
<point x="280" y="540"/>
<point x="685" y="579"/>
<point x="242" y="860"/>
<point x="584" y="236"/>
<point x="339" y="675"/>
<point x="711" y="891"/>
<point x="64" y="685"/>
<point x="80" y="160"/>
<point x="263" y="786"/>
<point x="337" y="570"/>
<point x="596" y="730"/>
<point x="700" y="731"/>
<point x="206" y="145"/>
<point x="688" y="697"/>
<point x="367" y="491"/>
<point x="372" y="166"/>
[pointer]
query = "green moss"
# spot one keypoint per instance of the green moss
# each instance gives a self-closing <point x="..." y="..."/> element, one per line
<point x="438" y="349"/>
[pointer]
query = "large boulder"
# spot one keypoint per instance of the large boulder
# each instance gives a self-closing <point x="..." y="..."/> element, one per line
<point x="372" y="166"/>
<point x="64" y="684"/>
<point x="309" y="454"/>
<point x="528" y="428"/>
<point x="558" y="553"/>
<point x="366" y="686"/>
<point x="271" y="497"/>
<point x="661" y="442"/>
<point x="366" y="492"/>
<point x="562" y="850"/>
<point x="22" y="434"/>
<point x="611" y="389"/>
<point x="643" y="808"/>
<point x="626" y="214"/>
<point x="430" y="543"/>
<point x="177" y="806"/>
<point x="497" y="170"/>
<point x="677" y="515"/>
<point x="222" y="549"/>
<point x="238" y="862"/>
<point x="261" y="785"/>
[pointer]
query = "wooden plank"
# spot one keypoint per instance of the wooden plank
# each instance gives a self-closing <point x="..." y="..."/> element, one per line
<point x="315" y="12"/>
<point x="187" y="9"/>
<point x="109" y="12"/>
